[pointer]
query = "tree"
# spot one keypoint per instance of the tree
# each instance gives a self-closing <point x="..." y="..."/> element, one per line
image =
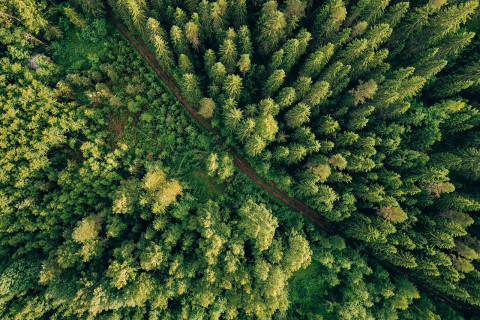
<point x="317" y="60"/>
<point x="271" y="28"/>
<point x="318" y="93"/>
<point x="302" y="86"/>
<point x="209" y="59"/>
<point x="244" y="64"/>
<point x="298" y="115"/>
<point x="254" y="145"/>
<point x="274" y="82"/>
<point x="192" y="34"/>
<point x="233" y="117"/>
<point x="291" y="49"/>
<point x="328" y="21"/>
<point x="179" y="41"/>
<point x="217" y="73"/>
<point x="163" y="52"/>
<point x="229" y="55"/>
<point x="207" y="107"/>
<point x="286" y="97"/>
<point x="191" y="89"/>
<point x="185" y="65"/>
<point x="244" y="40"/>
<point x="239" y="13"/>
<point x="258" y="224"/>
<point x="276" y="60"/>
<point x="233" y="86"/>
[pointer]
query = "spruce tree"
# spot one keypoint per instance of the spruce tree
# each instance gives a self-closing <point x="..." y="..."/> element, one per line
<point x="298" y="115"/>
<point x="271" y="27"/>
<point x="228" y="55"/>
<point x="274" y="82"/>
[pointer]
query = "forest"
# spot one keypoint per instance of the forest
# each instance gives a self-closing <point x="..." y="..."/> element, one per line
<point x="240" y="159"/>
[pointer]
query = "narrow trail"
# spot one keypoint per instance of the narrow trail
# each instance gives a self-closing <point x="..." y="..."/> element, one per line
<point x="269" y="186"/>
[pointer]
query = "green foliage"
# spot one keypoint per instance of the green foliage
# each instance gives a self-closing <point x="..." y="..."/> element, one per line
<point x="366" y="111"/>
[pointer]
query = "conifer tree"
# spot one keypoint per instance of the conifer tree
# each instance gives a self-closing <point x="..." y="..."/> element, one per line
<point x="302" y="86"/>
<point x="218" y="73"/>
<point x="276" y="60"/>
<point x="245" y="129"/>
<point x="244" y="64"/>
<point x="328" y="21"/>
<point x="163" y="52"/>
<point x="298" y="115"/>
<point x="394" y="14"/>
<point x="209" y="59"/>
<point x="271" y="27"/>
<point x="180" y="17"/>
<point x="179" y="40"/>
<point x="239" y="13"/>
<point x="317" y="60"/>
<point x="233" y="86"/>
<point x="274" y="82"/>
<point x="286" y="97"/>
<point x="244" y="41"/>
<point x="228" y="55"/>
<point x="291" y="50"/>
<point x="318" y="93"/>
<point x="185" y="65"/>
<point x="254" y="145"/>
<point x="233" y="116"/>
<point x="191" y="89"/>
<point x="207" y="107"/>
<point x="192" y="34"/>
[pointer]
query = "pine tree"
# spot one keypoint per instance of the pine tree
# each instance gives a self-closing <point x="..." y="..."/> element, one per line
<point x="244" y="64"/>
<point x="453" y="44"/>
<point x="180" y="17"/>
<point x="229" y="55"/>
<point x="239" y="13"/>
<point x="271" y="27"/>
<point x="291" y="49"/>
<point x="179" y="40"/>
<point x="218" y="73"/>
<point x="276" y="60"/>
<point x="368" y="10"/>
<point x="192" y="34"/>
<point x="245" y="129"/>
<point x="207" y="107"/>
<point x="303" y="38"/>
<point x="446" y="22"/>
<point x="217" y="16"/>
<point x="452" y="84"/>
<point x="274" y="82"/>
<point x="298" y="115"/>
<point x="185" y="65"/>
<point x="317" y="94"/>
<point x="336" y="76"/>
<point x="328" y="21"/>
<point x="233" y="117"/>
<point x="163" y="53"/>
<point x="254" y="145"/>
<point x="394" y="14"/>
<point x="302" y="86"/>
<point x="244" y="41"/>
<point x="233" y="86"/>
<point x="191" y="89"/>
<point x="317" y="60"/>
<point x="209" y="60"/>
<point x="286" y="97"/>
<point x="296" y="153"/>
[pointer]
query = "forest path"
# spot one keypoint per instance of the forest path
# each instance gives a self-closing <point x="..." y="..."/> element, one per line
<point x="269" y="186"/>
<point x="240" y="162"/>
